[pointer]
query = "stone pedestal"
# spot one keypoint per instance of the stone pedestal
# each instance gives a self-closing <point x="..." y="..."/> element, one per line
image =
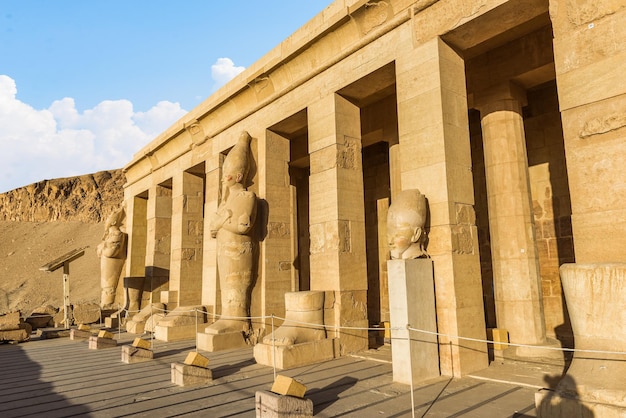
<point x="272" y="405"/>
<point x="415" y="355"/>
<point x="132" y="354"/>
<point x="111" y="322"/>
<point x="290" y="356"/>
<point x="188" y="375"/>
<point x="218" y="342"/>
<point x="594" y="382"/>
<point x="97" y="343"/>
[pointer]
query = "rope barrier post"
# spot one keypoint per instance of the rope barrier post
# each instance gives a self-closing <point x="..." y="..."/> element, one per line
<point x="408" y="328"/>
<point x="196" y="315"/>
<point x="151" y="319"/>
<point x="273" y="349"/>
<point x="119" y="322"/>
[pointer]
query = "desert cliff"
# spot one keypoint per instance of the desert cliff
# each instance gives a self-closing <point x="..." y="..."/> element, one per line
<point x="45" y="220"/>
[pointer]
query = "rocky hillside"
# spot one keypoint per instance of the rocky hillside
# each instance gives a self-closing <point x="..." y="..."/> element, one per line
<point x="42" y="221"/>
<point x="89" y="198"/>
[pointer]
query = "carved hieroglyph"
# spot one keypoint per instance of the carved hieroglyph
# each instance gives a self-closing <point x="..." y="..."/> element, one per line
<point x="232" y="226"/>
<point x="405" y="225"/>
<point x="112" y="253"/>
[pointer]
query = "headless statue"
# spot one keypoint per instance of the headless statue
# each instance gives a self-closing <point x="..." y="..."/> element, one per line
<point x="112" y="253"/>
<point x="232" y="226"/>
<point x="405" y="225"/>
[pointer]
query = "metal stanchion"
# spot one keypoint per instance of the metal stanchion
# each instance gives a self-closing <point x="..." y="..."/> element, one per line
<point x="273" y="348"/>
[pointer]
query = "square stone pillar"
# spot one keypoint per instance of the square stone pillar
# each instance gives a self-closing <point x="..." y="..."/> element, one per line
<point x="516" y="277"/>
<point x="337" y="216"/>
<point x="136" y="227"/>
<point x="187" y="233"/>
<point x="590" y="63"/>
<point x="276" y="258"/>
<point x="436" y="159"/>
<point x="210" y="281"/>
<point x="159" y="223"/>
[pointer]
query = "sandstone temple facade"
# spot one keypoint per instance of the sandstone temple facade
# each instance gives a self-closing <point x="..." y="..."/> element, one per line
<point x="509" y="116"/>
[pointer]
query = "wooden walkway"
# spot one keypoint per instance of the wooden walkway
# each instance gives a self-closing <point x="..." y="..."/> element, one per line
<point x="63" y="378"/>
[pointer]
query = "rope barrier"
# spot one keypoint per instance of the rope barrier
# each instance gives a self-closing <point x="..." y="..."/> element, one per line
<point x="340" y="328"/>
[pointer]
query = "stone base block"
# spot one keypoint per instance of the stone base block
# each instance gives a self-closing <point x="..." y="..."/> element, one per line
<point x="187" y="375"/>
<point x="220" y="342"/>
<point x="97" y="343"/>
<point x="52" y="333"/>
<point x="289" y="356"/>
<point x="111" y="322"/>
<point x="551" y="404"/>
<point x="132" y="354"/>
<point x="176" y="333"/>
<point x="549" y="350"/>
<point x="272" y="405"/>
<point x="17" y="335"/>
<point x="78" y="335"/>
<point x="39" y="320"/>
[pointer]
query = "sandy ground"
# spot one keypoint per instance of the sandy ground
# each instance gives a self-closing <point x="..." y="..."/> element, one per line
<point x="26" y="246"/>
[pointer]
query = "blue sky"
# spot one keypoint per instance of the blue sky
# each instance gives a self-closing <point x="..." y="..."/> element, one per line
<point x="84" y="84"/>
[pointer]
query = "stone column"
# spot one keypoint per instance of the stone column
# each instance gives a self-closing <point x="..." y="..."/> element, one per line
<point x="159" y="225"/>
<point x="337" y="216"/>
<point x="276" y="259"/>
<point x="187" y="229"/>
<point x="436" y="159"/>
<point x="517" y="281"/>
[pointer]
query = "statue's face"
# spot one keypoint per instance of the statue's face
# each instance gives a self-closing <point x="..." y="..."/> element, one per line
<point x="229" y="179"/>
<point x="400" y="239"/>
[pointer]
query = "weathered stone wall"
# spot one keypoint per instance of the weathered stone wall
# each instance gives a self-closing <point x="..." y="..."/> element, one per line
<point x="88" y="198"/>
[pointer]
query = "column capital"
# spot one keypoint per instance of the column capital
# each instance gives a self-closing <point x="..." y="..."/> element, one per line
<point x="503" y="96"/>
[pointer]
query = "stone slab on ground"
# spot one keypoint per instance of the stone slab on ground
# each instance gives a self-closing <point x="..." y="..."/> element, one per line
<point x="97" y="343"/>
<point x="187" y="375"/>
<point x="52" y="333"/>
<point x="16" y="335"/>
<point x="43" y="374"/>
<point x="86" y="313"/>
<point x="10" y="321"/>
<point x="39" y="320"/>
<point x="273" y="405"/>
<point x="79" y="335"/>
<point x="132" y="354"/>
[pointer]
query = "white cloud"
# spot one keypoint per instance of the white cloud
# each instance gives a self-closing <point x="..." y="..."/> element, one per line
<point x="61" y="141"/>
<point x="223" y="71"/>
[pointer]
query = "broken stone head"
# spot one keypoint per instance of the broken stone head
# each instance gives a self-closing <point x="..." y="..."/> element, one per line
<point x="405" y="225"/>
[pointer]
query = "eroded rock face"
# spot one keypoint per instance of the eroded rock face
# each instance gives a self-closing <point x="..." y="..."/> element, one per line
<point x="88" y="198"/>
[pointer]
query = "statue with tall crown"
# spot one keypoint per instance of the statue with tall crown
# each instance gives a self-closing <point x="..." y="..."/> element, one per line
<point x="112" y="253"/>
<point x="406" y="220"/>
<point x="232" y="226"/>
